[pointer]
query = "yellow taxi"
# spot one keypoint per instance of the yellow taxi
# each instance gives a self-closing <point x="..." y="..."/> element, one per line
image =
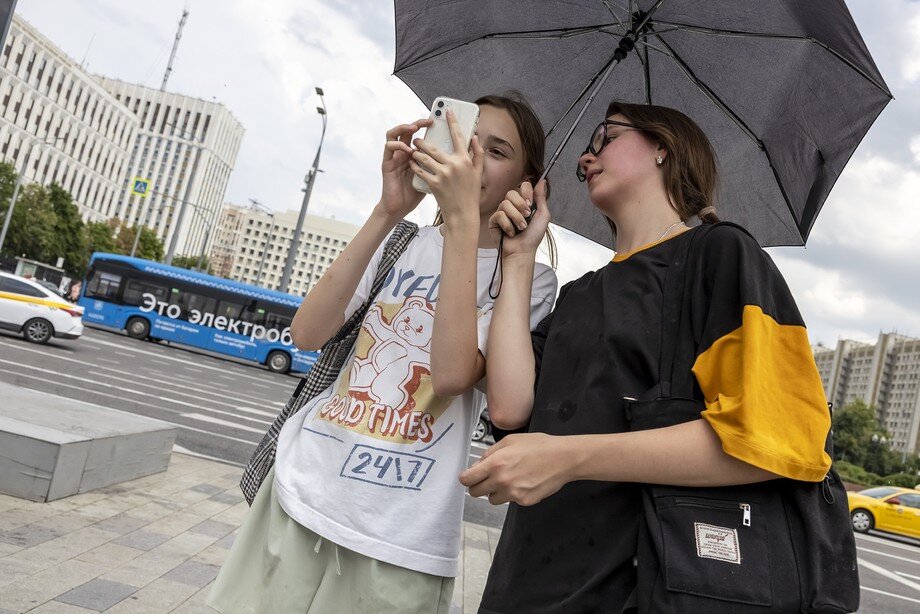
<point x="886" y="508"/>
<point x="39" y="314"/>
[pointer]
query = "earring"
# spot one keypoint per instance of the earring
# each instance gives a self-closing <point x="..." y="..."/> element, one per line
<point x="659" y="160"/>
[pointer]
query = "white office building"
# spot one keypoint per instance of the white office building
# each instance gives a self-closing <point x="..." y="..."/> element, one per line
<point x="186" y="147"/>
<point x="884" y="375"/>
<point x="251" y="246"/>
<point x="60" y="124"/>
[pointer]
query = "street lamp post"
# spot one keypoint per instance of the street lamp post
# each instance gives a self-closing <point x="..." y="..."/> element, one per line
<point x="174" y="241"/>
<point x="271" y="231"/>
<point x="22" y="172"/>
<point x="308" y="189"/>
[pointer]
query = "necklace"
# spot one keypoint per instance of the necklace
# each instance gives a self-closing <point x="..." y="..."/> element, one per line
<point x="670" y="228"/>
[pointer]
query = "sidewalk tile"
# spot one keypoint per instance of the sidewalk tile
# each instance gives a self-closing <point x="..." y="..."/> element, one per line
<point x="142" y="540"/>
<point x="29" y="535"/>
<point x="212" y="555"/>
<point x="12" y="570"/>
<point x="121" y="523"/>
<point x="66" y="547"/>
<point x="56" y="607"/>
<point x="110" y="555"/>
<point x="48" y="584"/>
<point x="7" y="549"/>
<point x="97" y="594"/>
<point x="227" y="542"/>
<point x="213" y="528"/>
<point x="208" y="489"/>
<point x="226" y="497"/>
<point x="193" y="573"/>
<point x="156" y="598"/>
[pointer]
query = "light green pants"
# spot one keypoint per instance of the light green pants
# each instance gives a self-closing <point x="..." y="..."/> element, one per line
<point x="277" y="566"/>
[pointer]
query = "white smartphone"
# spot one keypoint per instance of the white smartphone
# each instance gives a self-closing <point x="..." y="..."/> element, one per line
<point x="438" y="134"/>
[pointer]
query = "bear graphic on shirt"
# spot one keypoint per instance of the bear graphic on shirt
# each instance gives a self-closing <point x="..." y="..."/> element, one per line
<point x="399" y="356"/>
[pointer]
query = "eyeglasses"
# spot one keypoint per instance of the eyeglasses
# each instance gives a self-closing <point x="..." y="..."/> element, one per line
<point x="599" y="140"/>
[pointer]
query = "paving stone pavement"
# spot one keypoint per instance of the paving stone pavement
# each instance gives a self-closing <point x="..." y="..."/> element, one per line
<point x="150" y="546"/>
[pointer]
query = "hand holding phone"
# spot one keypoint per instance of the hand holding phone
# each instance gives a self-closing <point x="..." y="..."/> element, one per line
<point x="438" y="134"/>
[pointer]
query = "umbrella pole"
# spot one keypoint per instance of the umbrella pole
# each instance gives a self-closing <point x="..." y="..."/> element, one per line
<point x="626" y="45"/>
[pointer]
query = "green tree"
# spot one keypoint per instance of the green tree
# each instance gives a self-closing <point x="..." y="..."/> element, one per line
<point x="7" y="183"/>
<point x="859" y="439"/>
<point x="191" y="263"/>
<point x="150" y="246"/>
<point x="98" y="239"/>
<point x="69" y="238"/>
<point x="32" y="227"/>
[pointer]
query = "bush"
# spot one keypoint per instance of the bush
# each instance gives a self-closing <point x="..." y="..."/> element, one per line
<point x="856" y="474"/>
<point x="904" y="480"/>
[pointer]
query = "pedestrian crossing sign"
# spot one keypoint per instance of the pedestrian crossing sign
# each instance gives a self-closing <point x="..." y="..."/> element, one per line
<point x="141" y="187"/>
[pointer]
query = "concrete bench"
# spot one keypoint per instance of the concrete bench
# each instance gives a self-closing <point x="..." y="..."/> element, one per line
<point x="53" y="447"/>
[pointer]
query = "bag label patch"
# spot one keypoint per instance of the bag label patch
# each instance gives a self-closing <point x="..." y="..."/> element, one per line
<point x="720" y="543"/>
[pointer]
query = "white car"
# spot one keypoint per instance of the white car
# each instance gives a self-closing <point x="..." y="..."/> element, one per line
<point x="29" y="308"/>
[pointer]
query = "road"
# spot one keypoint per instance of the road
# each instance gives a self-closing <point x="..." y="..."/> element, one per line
<point x="222" y="407"/>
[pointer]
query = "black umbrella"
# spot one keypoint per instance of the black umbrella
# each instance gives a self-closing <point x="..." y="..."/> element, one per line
<point x="785" y="89"/>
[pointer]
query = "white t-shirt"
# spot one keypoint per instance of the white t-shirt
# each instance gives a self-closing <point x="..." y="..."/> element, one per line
<point x="371" y="463"/>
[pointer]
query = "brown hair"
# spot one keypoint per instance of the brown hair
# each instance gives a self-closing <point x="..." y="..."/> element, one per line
<point x="690" y="172"/>
<point x="533" y="141"/>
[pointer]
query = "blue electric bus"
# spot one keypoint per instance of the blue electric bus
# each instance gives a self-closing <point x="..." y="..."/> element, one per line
<point x="150" y="300"/>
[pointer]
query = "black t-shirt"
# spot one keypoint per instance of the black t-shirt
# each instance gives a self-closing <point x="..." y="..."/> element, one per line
<point x="573" y="552"/>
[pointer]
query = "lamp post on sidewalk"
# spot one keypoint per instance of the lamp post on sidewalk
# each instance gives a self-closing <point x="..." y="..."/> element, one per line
<point x="22" y="172"/>
<point x="262" y="208"/>
<point x="198" y="152"/>
<point x="308" y="189"/>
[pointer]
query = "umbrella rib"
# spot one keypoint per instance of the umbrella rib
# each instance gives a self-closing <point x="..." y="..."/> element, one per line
<point x="643" y="58"/>
<point x="578" y="98"/>
<point x="767" y="35"/>
<point x="720" y="104"/>
<point x="612" y="7"/>
<point x="713" y="97"/>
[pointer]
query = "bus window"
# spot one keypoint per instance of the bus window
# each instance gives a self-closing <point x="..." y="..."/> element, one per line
<point x="277" y="320"/>
<point x="188" y="301"/>
<point x="229" y="309"/>
<point x="255" y="313"/>
<point x="204" y="304"/>
<point x="135" y="290"/>
<point x="104" y="286"/>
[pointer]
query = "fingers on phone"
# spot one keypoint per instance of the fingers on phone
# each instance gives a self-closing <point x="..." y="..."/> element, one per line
<point x="501" y="220"/>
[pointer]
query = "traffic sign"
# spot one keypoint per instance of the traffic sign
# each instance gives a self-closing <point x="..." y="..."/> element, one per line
<point x="141" y="187"/>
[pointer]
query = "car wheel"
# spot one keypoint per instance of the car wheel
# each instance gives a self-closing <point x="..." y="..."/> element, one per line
<point x="481" y="430"/>
<point x="279" y="362"/>
<point x="38" y="331"/>
<point x="862" y="521"/>
<point x="138" y="328"/>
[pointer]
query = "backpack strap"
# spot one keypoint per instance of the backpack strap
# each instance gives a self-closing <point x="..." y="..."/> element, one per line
<point x="678" y="342"/>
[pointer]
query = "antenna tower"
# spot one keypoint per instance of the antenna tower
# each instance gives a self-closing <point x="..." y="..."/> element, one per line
<point x="172" y="56"/>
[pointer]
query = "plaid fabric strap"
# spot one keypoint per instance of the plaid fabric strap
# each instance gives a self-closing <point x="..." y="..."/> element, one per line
<point x="326" y="368"/>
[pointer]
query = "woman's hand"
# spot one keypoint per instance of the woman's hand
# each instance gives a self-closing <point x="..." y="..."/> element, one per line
<point x="398" y="197"/>
<point x="455" y="179"/>
<point x="521" y="237"/>
<point x="524" y="468"/>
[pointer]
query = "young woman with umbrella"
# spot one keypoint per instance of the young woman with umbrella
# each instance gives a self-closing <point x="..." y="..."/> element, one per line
<point x="569" y="543"/>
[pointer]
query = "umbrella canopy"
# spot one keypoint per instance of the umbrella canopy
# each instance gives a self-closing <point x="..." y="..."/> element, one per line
<point x="784" y="89"/>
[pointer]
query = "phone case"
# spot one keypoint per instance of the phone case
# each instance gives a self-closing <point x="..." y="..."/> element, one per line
<point x="438" y="133"/>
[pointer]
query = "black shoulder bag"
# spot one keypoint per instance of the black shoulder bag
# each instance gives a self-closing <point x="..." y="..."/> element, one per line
<point x="777" y="546"/>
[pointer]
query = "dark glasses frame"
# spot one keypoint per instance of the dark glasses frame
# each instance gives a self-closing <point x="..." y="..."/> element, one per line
<point x="579" y="171"/>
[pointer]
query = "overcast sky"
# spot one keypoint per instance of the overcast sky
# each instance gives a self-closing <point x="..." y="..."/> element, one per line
<point x="859" y="275"/>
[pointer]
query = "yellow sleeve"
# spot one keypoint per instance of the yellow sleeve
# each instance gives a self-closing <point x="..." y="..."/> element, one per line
<point x="764" y="397"/>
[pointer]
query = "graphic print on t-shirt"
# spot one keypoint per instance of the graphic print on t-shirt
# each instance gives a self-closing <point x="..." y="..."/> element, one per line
<point x="387" y="394"/>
